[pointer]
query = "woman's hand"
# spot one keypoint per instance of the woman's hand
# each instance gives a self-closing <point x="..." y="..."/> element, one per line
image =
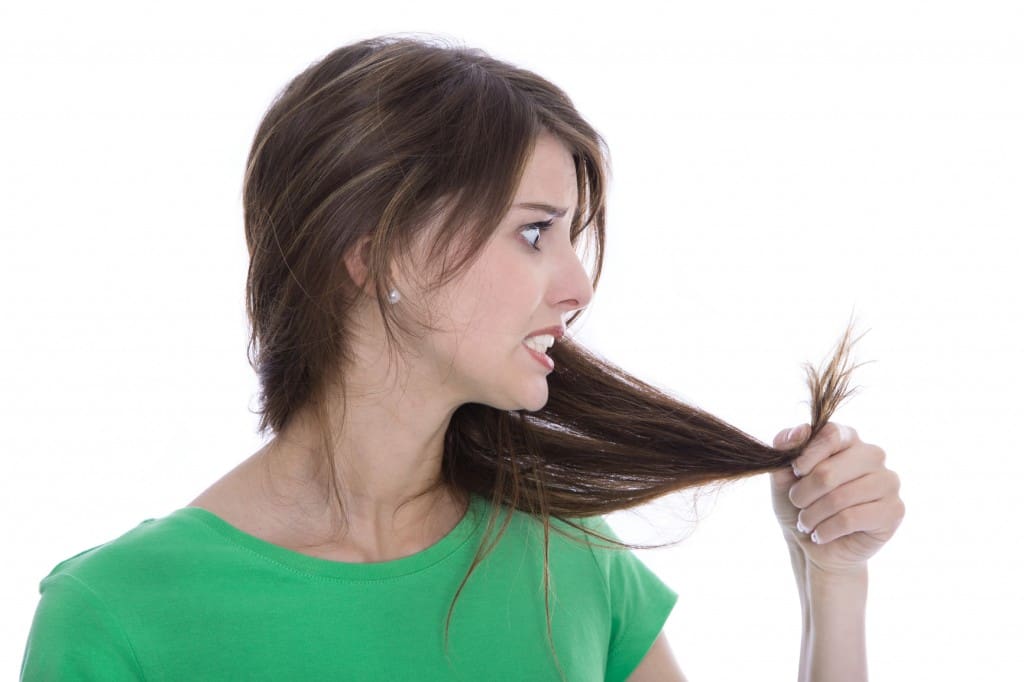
<point x="838" y="503"/>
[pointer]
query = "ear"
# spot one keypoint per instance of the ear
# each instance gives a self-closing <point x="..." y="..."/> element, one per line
<point x="356" y="261"/>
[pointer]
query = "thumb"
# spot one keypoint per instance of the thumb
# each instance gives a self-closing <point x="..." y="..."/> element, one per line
<point x="789" y="437"/>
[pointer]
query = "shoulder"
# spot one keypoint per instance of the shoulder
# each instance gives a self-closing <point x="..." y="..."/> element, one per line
<point x="91" y="601"/>
<point x="144" y="554"/>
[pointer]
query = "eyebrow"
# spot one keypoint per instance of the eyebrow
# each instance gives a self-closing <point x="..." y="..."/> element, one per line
<point x="547" y="208"/>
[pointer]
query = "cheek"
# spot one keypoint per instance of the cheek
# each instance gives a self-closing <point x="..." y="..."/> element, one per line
<point x="508" y="280"/>
<point x="500" y="296"/>
<point x="516" y="294"/>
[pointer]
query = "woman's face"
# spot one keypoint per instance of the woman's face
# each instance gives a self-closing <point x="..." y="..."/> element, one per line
<point x="512" y="291"/>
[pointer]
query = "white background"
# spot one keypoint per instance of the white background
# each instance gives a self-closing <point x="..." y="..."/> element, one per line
<point x="777" y="166"/>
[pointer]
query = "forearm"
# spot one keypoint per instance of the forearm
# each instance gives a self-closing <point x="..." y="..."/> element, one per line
<point x="834" y="645"/>
<point x="796" y="557"/>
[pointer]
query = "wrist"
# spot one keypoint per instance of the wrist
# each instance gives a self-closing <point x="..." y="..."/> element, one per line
<point x="846" y="578"/>
<point x="831" y="596"/>
<point x="835" y="643"/>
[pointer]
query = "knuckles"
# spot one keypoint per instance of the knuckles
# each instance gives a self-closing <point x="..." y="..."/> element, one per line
<point x="824" y="476"/>
<point x="840" y="499"/>
<point x="830" y="437"/>
<point x="834" y="437"/>
<point x="845" y="520"/>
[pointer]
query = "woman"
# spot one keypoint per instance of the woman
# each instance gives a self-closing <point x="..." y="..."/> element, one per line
<point x="413" y="212"/>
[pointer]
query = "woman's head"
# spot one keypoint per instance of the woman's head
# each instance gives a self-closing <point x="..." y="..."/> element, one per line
<point x="395" y="163"/>
<point x="526" y="278"/>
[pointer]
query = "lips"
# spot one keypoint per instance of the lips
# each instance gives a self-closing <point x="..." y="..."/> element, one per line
<point x="557" y="331"/>
<point x="540" y="357"/>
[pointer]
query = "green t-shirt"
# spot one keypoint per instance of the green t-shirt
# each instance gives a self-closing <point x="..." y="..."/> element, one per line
<point x="190" y="597"/>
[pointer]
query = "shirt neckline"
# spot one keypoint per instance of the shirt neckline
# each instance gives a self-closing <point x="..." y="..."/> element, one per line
<point x="378" y="570"/>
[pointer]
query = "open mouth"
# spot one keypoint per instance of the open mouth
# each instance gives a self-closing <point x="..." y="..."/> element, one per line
<point x="541" y="357"/>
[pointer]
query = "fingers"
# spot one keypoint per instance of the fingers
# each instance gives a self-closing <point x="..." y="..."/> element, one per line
<point x="879" y="518"/>
<point x="831" y="439"/>
<point x="783" y="478"/>
<point x="871" y="487"/>
<point x="790" y="437"/>
<point x="830" y="474"/>
<point x="840" y="485"/>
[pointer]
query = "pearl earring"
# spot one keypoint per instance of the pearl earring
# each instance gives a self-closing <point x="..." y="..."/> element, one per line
<point x="394" y="296"/>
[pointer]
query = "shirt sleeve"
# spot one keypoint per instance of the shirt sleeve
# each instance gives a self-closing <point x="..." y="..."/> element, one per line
<point x="640" y="602"/>
<point x="75" y="637"/>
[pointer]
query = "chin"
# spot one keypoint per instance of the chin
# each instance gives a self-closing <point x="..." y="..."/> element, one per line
<point x="534" y="407"/>
<point x="536" y="402"/>
<point x="532" y="402"/>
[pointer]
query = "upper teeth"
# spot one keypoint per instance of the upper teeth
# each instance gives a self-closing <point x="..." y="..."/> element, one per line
<point x="541" y="342"/>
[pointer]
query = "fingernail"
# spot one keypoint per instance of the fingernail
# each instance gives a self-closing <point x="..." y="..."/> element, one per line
<point x="796" y="471"/>
<point x="815" y="539"/>
<point x="800" y="526"/>
<point x="791" y="436"/>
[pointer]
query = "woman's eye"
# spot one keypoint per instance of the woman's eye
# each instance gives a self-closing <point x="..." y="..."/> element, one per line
<point x="539" y="227"/>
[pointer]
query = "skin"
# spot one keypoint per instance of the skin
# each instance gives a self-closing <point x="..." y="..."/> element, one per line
<point x="837" y="506"/>
<point x="391" y="444"/>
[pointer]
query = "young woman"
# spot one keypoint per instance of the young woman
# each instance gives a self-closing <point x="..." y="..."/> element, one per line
<point x="413" y="212"/>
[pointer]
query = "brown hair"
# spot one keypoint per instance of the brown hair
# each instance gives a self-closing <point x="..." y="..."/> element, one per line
<point x="379" y="138"/>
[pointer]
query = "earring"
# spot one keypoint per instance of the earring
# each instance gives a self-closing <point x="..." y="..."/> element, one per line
<point x="394" y="296"/>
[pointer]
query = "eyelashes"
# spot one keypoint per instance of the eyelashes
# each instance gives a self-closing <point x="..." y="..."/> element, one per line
<point x="540" y="227"/>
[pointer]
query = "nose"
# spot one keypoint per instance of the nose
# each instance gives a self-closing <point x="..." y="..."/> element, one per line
<point x="573" y="288"/>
